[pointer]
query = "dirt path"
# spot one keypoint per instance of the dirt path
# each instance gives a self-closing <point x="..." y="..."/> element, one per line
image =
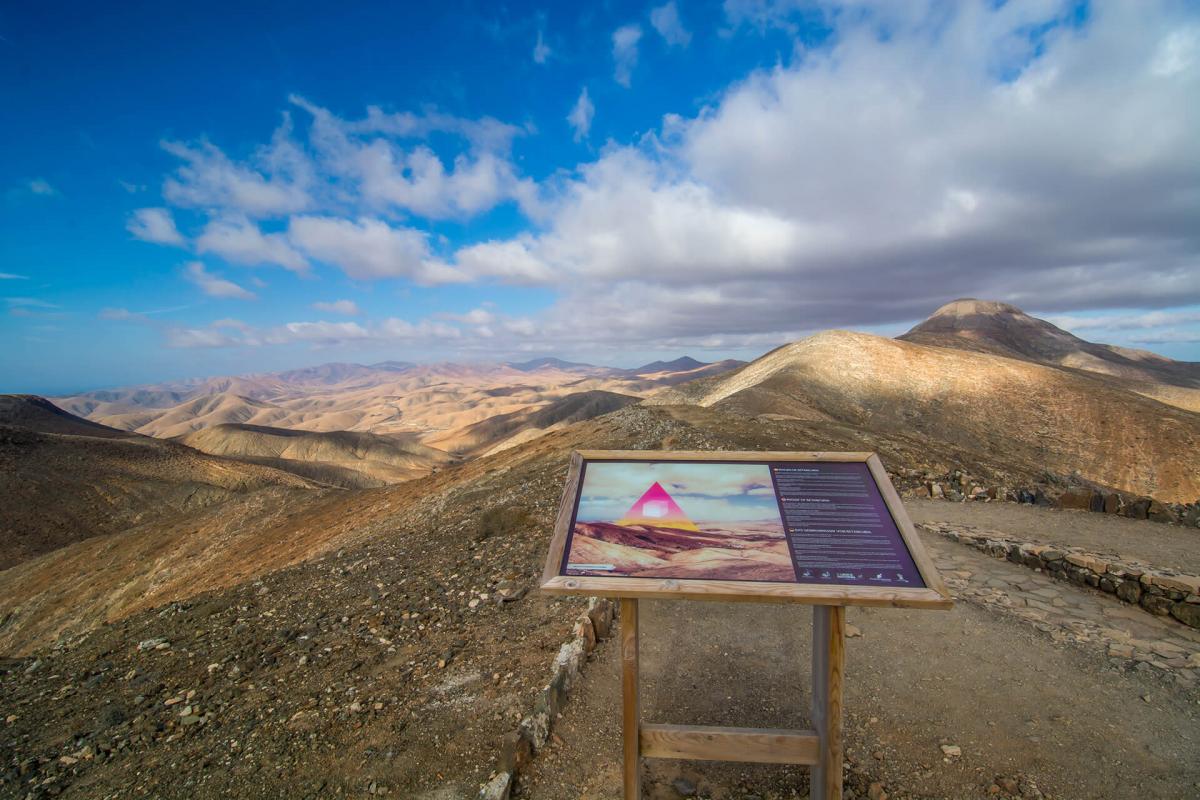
<point x="1025" y="693"/>
<point x="1162" y="545"/>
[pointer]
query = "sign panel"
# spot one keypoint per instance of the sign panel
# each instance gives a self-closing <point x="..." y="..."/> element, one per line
<point x="786" y="526"/>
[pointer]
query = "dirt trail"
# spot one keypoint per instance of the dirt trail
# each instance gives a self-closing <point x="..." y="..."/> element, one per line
<point x="1021" y="697"/>
<point x="1160" y="545"/>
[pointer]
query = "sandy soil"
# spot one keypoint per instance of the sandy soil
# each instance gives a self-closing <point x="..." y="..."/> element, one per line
<point x="1015" y="701"/>
<point x="1160" y="545"/>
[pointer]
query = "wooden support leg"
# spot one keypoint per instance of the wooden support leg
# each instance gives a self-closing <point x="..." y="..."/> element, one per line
<point x="828" y="657"/>
<point x="629" y="689"/>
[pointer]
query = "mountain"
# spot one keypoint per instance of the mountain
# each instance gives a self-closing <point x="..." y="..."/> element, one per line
<point x="376" y="459"/>
<point x="1061" y="420"/>
<point x="38" y="414"/>
<point x="683" y="364"/>
<point x="1002" y="329"/>
<point x="507" y="430"/>
<point x="554" y="363"/>
<point x="433" y="404"/>
<point x="66" y="479"/>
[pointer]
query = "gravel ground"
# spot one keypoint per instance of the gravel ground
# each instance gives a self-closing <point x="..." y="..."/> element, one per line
<point x="1041" y="714"/>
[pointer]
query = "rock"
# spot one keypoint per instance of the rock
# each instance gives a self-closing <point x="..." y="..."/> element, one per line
<point x="1187" y="584"/>
<point x="853" y="632"/>
<point x="1187" y="613"/>
<point x="498" y="788"/>
<point x="684" y="787"/>
<point x="157" y="643"/>
<point x="1159" y="512"/>
<point x="875" y="792"/>
<point x="1138" y="509"/>
<point x="1079" y="499"/>
<point x="1157" y="604"/>
<point x="516" y="751"/>
<point x="1129" y="591"/>
<point x="951" y="750"/>
<point x="1112" y="503"/>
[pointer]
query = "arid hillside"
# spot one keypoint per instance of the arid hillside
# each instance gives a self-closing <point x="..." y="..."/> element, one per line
<point x="64" y="479"/>
<point x="436" y="403"/>
<point x="1045" y="418"/>
<point x="77" y="587"/>
<point x="1002" y="329"/>
<point x="377" y="459"/>
<point x="507" y="430"/>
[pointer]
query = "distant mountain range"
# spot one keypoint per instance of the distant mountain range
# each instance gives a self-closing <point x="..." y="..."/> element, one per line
<point x="450" y="409"/>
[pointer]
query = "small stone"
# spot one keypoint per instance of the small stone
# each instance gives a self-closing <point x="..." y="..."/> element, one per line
<point x="684" y="787"/>
<point x="152" y="644"/>
<point x="875" y="792"/>
<point x="853" y="632"/>
<point x="951" y="750"/>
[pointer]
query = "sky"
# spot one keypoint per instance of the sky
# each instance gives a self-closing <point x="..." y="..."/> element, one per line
<point x="705" y="492"/>
<point x="191" y="189"/>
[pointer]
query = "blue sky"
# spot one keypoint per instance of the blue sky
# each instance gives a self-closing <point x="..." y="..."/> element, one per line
<point x="210" y="189"/>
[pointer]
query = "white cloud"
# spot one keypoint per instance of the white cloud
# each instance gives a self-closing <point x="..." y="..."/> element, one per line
<point x="214" y="285"/>
<point x="241" y="241"/>
<point x="476" y="316"/>
<point x="319" y="333"/>
<point x="347" y="307"/>
<point x="274" y="181"/>
<point x="512" y="261"/>
<point x="365" y="155"/>
<point x="370" y="249"/>
<point x="581" y="115"/>
<point x="625" y="52"/>
<point x="868" y="181"/>
<point x="1169" y="337"/>
<point x="665" y="19"/>
<point x="154" y="225"/>
<point x="199" y="337"/>
<point x="541" y="50"/>
<point x="1120" y="322"/>
<point x="42" y="187"/>
<point x="10" y="276"/>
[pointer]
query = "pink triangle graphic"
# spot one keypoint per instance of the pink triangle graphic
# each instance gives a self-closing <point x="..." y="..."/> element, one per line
<point x="657" y="508"/>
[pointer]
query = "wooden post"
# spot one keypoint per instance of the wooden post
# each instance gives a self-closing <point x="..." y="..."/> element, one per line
<point x="828" y="658"/>
<point x="632" y="714"/>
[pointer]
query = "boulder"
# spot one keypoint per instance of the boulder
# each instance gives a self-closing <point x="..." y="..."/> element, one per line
<point x="1187" y="613"/>
<point x="1138" y="509"/>
<point x="1079" y="499"/>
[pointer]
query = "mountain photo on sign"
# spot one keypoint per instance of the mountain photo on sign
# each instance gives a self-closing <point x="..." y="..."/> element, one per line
<point x="709" y="521"/>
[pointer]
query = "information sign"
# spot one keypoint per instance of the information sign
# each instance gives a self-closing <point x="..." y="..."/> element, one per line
<point x="801" y="527"/>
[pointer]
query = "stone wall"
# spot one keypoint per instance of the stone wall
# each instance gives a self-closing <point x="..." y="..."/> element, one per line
<point x="521" y="745"/>
<point x="1163" y="592"/>
<point x="960" y="486"/>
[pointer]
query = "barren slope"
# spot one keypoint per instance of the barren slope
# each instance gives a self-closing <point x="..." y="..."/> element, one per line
<point x="436" y="402"/>
<point x="506" y="430"/>
<point x="63" y="479"/>
<point x="1045" y="418"/>
<point x="387" y="459"/>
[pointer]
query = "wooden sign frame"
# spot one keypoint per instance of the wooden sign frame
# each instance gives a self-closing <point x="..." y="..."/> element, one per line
<point x="819" y="747"/>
